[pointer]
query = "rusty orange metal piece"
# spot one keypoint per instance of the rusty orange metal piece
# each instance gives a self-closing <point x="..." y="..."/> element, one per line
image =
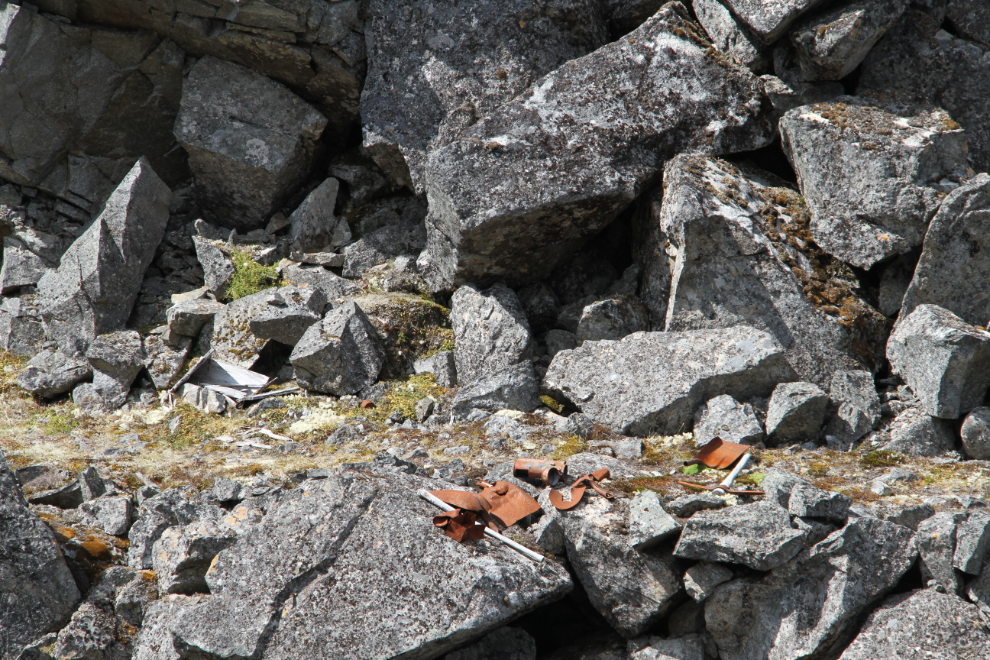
<point x="367" y="404"/>
<point x="540" y="469"/>
<point x="691" y="484"/>
<point x="503" y="503"/>
<point x="577" y="490"/>
<point x="718" y="454"/>
<point x="460" y="525"/>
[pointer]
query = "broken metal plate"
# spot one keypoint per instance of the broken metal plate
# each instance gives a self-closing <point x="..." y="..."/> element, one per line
<point x="718" y="454"/>
<point x="503" y="502"/>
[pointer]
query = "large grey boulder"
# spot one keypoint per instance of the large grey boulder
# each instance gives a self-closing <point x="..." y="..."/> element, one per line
<point x="770" y="19"/>
<point x="724" y="417"/>
<point x="170" y="508"/>
<point x="975" y="432"/>
<point x="809" y="607"/>
<point x="870" y="175"/>
<point x="731" y="36"/>
<point x="488" y="223"/>
<point x="454" y="68"/>
<point x="953" y="261"/>
<point x="183" y="554"/>
<point x="334" y="286"/>
<point x="810" y="502"/>
<point x="778" y="485"/>
<point x="972" y="542"/>
<point x="937" y="546"/>
<point x="383" y="245"/>
<point x="832" y="43"/>
<point x="491" y="332"/>
<point x="916" y="433"/>
<point x="117" y="358"/>
<point x="291" y="311"/>
<point x="39" y="591"/>
<point x="98" y="280"/>
<point x="920" y="624"/>
<point x="855" y="408"/>
<point x="339" y="355"/>
<point x="187" y="318"/>
<point x="743" y="258"/>
<point x="795" y="413"/>
<point x="50" y="373"/>
<point x="650" y="382"/>
<point x="250" y="141"/>
<point x="307" y="581"/>
<point x="25" y="259"/>
<point x="756" y="535"/>
<point x="514" y="388"/>
<point x="631" y="589"/>
<point x="945" y="361"/>
<point x="917" y="62"/>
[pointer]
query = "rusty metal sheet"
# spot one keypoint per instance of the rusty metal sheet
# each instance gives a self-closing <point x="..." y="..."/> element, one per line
<point x="510" y="503"/>
<point x="578" y="488"/>
<point x="718" y="454"/>
<point x="540" y="469"/>
<point x="460" y="525"/>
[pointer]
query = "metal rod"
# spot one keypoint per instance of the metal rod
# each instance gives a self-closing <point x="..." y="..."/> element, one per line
<point x="436" y="501"/>
<point x="727" y="482"/>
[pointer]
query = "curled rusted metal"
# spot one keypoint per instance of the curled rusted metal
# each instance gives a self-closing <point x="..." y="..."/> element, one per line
<point x="577" y="490"/>
<point x="718" y="454"/>
<point x="540" y="469"/>
<point x="502" y="502"/>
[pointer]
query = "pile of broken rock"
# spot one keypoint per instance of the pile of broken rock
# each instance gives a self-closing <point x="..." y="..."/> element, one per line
<point x="763" y="221"/>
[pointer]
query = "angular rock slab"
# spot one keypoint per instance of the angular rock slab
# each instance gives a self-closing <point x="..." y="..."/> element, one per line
<point x="921" y="624"/>
<point x="724" y="417"/>
<point x="39" y="591"/>
<point x="21" y="329"/>
<point x="743" y="258"/>
<point x="513" y="388"/>
<point x="869" y="174"/>
<point x="491" y="332"/>
<point x="756" y="535"/>
<point x="311" y="579"/>
<point x="232" y="340"/>
<point x="917" y="64"/>
<point x="975" y="433"/>
<point x="454" y="68"/>
<point x="855" y="406"/>
<point x="795" y="413"/>
<point x="250" y="141"/>
<point x="916" y="433"/>
<point x="571" y="133"/>
<point x="50" y="373"/>
<point x="955" y="259"/>
<point x="944" y="360"/>
<point x="291" y="311"/>
<point x="808" y="607"/>
<point x="613" y="318"/>
<point x="769" y="19"/>
<point x="650" y="382"/>
<point x="98" y="280"/>
<point x="730" y="36"/>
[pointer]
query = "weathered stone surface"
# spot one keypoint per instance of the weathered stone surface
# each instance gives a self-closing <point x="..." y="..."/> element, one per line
<point x="650" y="382"/>
<point x="743" y="258"/>
<point x="911" y="516"/>
<point x="756" y="535"/>
<point x="870" y="175"/>
<point x="442" y="365"/>
<point x="970" y="19"/>
<point x="686" y="647"/>
<point x="937" y="546"/>
<point x="491" y="332"/>
<point x="808" y="607"/>
<point x="795" y="413"/>
<point x="978" y="590"/>
<point x="50" y="373"/>
<point x="503" y="644"/>
<point x="165" y="360"/>
<point x="333" y="286"/>
<point x="972" y="542"/>
<point x="811" y="502"/>
<point x="314" y="225"/>
<point x="218" y="269"/>
<point x="250" y="141"/>
<point x="112" y="514"/>
<point x="649" y="524"/>
<point x="169" y="508"/>
<point x="99" y="278"/>
<point x="39" y="592"/>
<point x="701" y="579"/>
<point x="631" y="589"/>
<point x="944" y="360"/>
<point x="292" y="588"/>
<point x="513" y="388"/>
<point x="918" y="63"/>
<point x="920" y="624"/>
<point x="455" y="68"/>
<point x="613" y="318"/>
<point x="855" y="406"/>
<point x="87" y="485"/>
<point x="894" y="283"/>
<point x="724" y="417"/>
<point x="915" y="433"/>
<point x="339" y="355"/>
<point x="383" y="245"/>
<point x="21" y="266"/>
<point x="117" y="358"/>
<point x="291" y="311"/>
<point x="686" y="506"/>
<point x="975" y="433"/>
<point x="232" y="340"/>
<point x="182" y="555"/>
<point x="573" y="126"/>
<point x="89" y="634"/>
<point x="21" y="329"/>
<point x="769" y="20"/>
<point x="834" y="42"/>
<point x="730" y="36"/>
<point x="778" y="485"/>
<point x="188" y="317"/>
<point x="203" y="399"/>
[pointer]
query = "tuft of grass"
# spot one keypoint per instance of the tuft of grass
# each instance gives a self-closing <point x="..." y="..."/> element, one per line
<point x="880" y="459"/>
<point x="10" y="366"/>
<point x="58" y="422"/>
<point x="403" y="395"/>
<point x="249" y="276"/>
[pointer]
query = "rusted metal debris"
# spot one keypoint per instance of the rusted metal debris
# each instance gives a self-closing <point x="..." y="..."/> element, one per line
<point x="718" y="454"/>
<point x="502" y="503"/>
<point x="460" y="525"/>
<point x="540" y="469"/>
<point x="577" y="490"/>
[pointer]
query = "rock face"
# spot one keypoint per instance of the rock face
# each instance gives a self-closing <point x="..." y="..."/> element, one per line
<point x="290" y="588"/>
<point x="810" y="502"/>
<point x="339" y="355"/>
<point x="491" y="332"/>
<point x="755" y="535"/>
<point x="970" y="19"/>
<point x="50" y="373"/>
<point x="937" y="546"/>
<point x="954" y="258"/>
<point x="613" y="318"/>
<point x="291" y="311"/>
<point x="972" y="543"/>
<point x="916" y="65"/>
<point x="650" y="382"/>
<point x="944" y="360"/>
<point x="99" y="278"/>
<point x="39" y="592"/>
<point x="831" y="44"/>
<point x="795" y="413"/>
<point x="461" y="71"/>
<point x="808" y="607"/>
<point x="730" y="36"/>
<point x="975" y="433"/>
<point x="232" y="340"/>
<point x="855" y="406"/>
<point x="314" y="225"/>
<point x="920" y="624"/>
<point x="487" y="223"/>
<point x="513" y="388"/>
<point x="250" y="141"/>
<point x="916" y="433"/>
<point x="218" y="269"/>
<point x="724" y="417"/>
<point x="737" y="236"/>
<point x="769" y="20"/>
<point x="869" y="175"/>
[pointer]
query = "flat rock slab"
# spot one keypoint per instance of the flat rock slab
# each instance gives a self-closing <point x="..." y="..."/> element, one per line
<point x="491" y="217"/>
<point x="311" y="579"/>
<point x="921" y="624"/>
<point x="808" y="607"/>
<point x="650" y="382"/>
<point x="871" y="177"/>
<point x="756" y="535"/>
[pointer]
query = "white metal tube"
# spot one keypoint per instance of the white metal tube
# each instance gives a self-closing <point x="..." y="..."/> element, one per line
<point x="727" y="482"/>
<point x="436" y="501"/>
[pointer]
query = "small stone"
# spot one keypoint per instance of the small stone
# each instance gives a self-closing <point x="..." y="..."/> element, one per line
<point x="491" y="333"/>
<point x="218" y="269"/>
<point x="975" y="433"/>
<point x="228" y="491"/>
<point x="701" y="579"/>
<point x="881" y="488"/>
<point x="686" y="506"/>
<point x="111" y="514"/>
<point x="724" y="417"/>
<point x="811" y="502"/>
<point x="795" y="413"/>
<point x="649" y="524"/>
<point x="424" y="408"/>
<point x="613" y="318"/>
<point x="629" y="448"/>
